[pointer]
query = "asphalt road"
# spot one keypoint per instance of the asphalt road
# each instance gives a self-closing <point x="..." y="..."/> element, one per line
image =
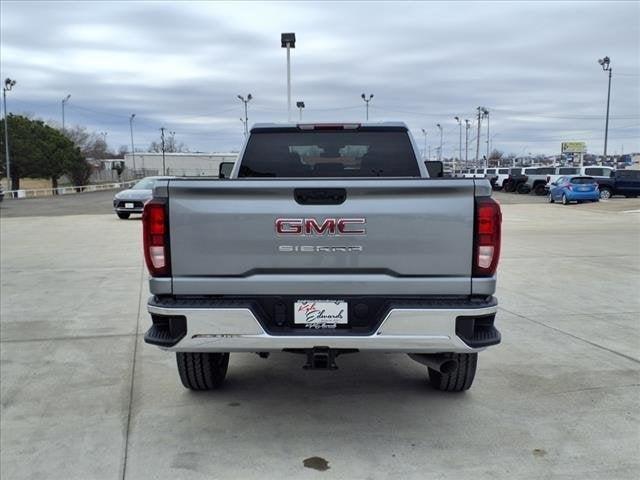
<point x="83" y="397"/>
<point x="89" y="203"/>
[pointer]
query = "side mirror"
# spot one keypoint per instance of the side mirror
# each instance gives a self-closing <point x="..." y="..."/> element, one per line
<point x="225" y="169"/>
<point x="435" y="168"/>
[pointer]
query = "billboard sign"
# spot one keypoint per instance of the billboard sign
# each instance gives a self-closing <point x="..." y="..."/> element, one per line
<point x="574" y="147"/>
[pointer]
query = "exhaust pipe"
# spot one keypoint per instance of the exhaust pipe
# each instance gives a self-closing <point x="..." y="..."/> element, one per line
<point x="436" y="361"/>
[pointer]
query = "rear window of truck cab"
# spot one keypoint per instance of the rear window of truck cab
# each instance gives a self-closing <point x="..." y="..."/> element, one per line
<point x="292" y="153"/>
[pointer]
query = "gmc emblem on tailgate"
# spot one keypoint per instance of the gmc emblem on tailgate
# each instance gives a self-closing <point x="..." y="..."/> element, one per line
<point x="311" y="226"/>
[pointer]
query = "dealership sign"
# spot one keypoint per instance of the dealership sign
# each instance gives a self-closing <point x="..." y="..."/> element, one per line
<point x="574" y="147"/>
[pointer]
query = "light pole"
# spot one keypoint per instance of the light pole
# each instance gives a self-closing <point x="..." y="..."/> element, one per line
<point x="460" y="144"/>
<point x="605" y="63"/>
<point x="164" y="170"/>
<point x="486" y="115"/>
<point x="8" y="85"/>
<point x="424" y="152"/>
<point x="480" y="110"/>
<point x="65" y="100"/>
<point x="104" y="137"/>
<point x="367" y="100"/>
<point x="288" y="41"/>
<point x="246" y="114"/>
<point x="440" y="148"/>
<point x="300" y="106"/>
<point x="467" y="124"/>
<point x="133" y="150"/>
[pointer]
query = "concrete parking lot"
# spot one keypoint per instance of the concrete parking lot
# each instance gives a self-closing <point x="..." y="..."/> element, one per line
<point x="82" y="396"/>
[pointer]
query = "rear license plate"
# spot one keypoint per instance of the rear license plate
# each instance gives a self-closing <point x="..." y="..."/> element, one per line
<point x="128" y="205"/>
<point x="320" y="312"/>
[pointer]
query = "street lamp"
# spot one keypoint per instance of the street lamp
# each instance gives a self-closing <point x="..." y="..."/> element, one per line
<point x="457" y="119"/>
<point x="367" y="100"/>
<point x="485" y="112"/>
<point x="300" y="105"/>
<point x="440" y="149"/>
<point x="164" y="170"/>
<point x="605" y="63"/>
<point x="8" y="85"/>
<point x="65" y="100"/>
<point x="467" y="124"/>
<point x="424" y="152"/>
<point x="246" y="115"/>
<point x="288" y="41"/>
<point x="133" y="150"/>
<point x="104" y="137"/>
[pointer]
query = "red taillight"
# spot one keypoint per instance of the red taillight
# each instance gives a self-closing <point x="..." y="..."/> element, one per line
<point x="486" y="252"/>
<point x="155" y="232"/>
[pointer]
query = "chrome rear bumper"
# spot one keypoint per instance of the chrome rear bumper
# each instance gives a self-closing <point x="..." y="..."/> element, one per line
<point x="413" y="330"/>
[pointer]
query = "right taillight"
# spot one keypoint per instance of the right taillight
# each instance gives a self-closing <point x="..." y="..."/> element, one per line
<point x="486" y="252"/>
<point x="155" y="232"/>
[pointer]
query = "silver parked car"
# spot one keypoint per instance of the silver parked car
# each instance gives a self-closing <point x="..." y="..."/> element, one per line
<point x="131" y="201"/>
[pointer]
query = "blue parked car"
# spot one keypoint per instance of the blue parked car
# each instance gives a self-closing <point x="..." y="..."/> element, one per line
<point x="570" y="189"/>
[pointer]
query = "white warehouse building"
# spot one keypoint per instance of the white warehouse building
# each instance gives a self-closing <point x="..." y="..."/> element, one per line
<point x="178" y="164"/>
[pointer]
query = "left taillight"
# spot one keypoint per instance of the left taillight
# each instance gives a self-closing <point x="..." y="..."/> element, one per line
<point x="487" y="237"/>
<point x="155" y="232"/>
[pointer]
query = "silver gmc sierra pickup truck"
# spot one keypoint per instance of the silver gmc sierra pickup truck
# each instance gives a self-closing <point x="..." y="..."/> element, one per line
<point x="326" y="239"/>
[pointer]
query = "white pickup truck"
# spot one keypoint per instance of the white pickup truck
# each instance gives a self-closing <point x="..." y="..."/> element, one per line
<point x="323" y="240"/>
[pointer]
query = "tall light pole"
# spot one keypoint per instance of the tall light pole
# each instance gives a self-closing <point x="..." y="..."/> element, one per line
<point x="164" y="170"/>
<point x="133" y="150"/>
<point x="246" y="113"/>
<point x="467" y="124"/>
<point x="65" y="100"/>
<point x="486" y="115"/>
<point x="605" y="63"/>
<point x="457" y="119"/>
<point x="367" y="100"/>
<point x="300" y="106"/>
<point x="288" y="41"/>
<point x="480" y="110"/>
<point x="104" y="137"/>
<point x="424" y="152"/>
<point x="440" y="149"/>
<point x="8" y="85"/>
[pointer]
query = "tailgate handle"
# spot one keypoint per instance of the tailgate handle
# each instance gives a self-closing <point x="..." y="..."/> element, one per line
<point x="320" y="196"/>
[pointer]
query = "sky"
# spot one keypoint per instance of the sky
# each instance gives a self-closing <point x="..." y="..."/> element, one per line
<point x="181" y="65"/>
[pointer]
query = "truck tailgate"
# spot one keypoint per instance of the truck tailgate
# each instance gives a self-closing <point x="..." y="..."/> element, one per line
<point x="418" y="237"/>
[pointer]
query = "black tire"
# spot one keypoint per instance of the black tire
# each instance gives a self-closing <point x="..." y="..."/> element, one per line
<point x="540" y="189"/>
<point x="202" y="371"/>
<point x="523" y="189"/>
<point x="509" y="187"/>
<point x="461" y="379"/>
<point x="123" y="215"/>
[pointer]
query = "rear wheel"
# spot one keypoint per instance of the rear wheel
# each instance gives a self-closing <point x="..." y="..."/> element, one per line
<point x="459" y="380"/>
<point x="565" y="200"/>
<point x="605" y="193"/>
<point x="123" y="215"/>
<point x="540" y="189"/>
<point x="509" y="186"/>
<point x="523" y="188"/>
<point x="202" y="371"/>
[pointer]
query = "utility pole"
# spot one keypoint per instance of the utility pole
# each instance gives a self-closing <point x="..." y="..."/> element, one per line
<point x="246" y="114"/>
<point x="605" y="63"/>
<point x="424" y="152"/>
<point x="8" y="85"/>
<point x="466" y="143"/>
<point x="440" y="149"/>
<point x="460" y="144"/>
<point x="288" y="41"/>
<point x="367" y="100"/>
<point x="478" y="137"/>
<point x="486" y="114"/>
<point x="133" y="150"/>
<point x="64" y="102"/>
<point x="164" y="170"/>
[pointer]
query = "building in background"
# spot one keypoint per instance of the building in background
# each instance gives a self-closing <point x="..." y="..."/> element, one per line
<point x="178" y="164"/>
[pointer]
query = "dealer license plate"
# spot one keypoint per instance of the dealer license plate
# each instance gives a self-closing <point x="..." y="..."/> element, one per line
<point x="320" y="312"/>
<point x="128" y="205"/>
